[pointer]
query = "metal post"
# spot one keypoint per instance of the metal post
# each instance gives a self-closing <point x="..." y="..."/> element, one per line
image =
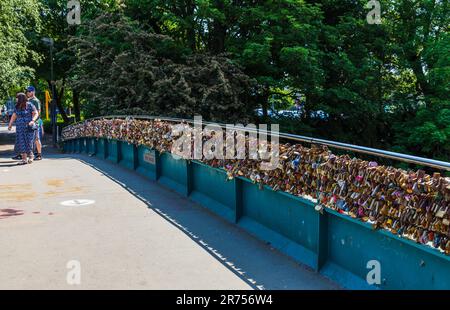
<point x="53" y="104"/>
<point x="50" y="43"/>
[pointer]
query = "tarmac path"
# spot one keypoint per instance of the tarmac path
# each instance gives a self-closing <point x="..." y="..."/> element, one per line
<point x="72" y="221"/>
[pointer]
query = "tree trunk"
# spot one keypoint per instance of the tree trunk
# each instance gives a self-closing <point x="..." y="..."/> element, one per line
<point x="422" y="84"/>
<point x="76" y="105"/>
<point x="218" y="32"/>
<point x="60" y="106"/>
<point x="58" y="102"/>
<point x="190" y="32"/>
<point x="264" y="99"/>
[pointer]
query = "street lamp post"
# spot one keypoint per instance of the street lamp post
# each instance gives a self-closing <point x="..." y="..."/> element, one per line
<point x="49" y="42"/>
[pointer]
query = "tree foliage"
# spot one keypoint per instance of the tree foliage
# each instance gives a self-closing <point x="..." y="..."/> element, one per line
<point x="17" y="20"/>
<point x="381" y="85"/>
<point x="124" y="69"/>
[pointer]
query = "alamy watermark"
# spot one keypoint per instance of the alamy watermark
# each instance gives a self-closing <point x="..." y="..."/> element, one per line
<point x="374" y="15"/>
<point x="374" y="275"/>
<point x="230" y="142"/>
<point x="73" y="276"/>
<point x="74" y="14"/>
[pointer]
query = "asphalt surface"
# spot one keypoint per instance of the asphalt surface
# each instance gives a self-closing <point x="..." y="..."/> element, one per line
<point x="72" y="221"/>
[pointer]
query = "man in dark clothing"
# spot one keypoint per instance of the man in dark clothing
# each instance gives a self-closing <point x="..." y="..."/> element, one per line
<point x="30" y="92"/>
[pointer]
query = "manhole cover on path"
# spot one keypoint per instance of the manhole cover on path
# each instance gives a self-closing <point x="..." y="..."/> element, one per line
<point x="77" y="202"/>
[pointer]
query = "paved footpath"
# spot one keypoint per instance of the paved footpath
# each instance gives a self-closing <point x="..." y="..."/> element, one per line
<point x="135" y="234"/>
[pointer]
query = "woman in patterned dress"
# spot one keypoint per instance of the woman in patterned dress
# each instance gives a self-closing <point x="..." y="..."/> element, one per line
<point x="25" y="114"/>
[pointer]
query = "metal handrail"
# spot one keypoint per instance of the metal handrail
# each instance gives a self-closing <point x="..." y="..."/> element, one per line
<point x="338" y="145"/>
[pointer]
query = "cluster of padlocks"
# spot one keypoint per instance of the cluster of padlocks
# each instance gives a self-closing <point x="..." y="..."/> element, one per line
<point x="410" y="204"/>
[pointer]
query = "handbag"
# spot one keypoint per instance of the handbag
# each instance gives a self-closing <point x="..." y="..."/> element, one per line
<point x="33" y="127"/>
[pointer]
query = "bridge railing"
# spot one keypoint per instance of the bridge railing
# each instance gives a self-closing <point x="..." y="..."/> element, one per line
<point x="335" y="244"/>
<point x="427" y="162"/>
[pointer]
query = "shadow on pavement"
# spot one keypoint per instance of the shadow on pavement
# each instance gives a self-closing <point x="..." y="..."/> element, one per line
<point x="252" y="260"/>
<point x="248" y="257"/>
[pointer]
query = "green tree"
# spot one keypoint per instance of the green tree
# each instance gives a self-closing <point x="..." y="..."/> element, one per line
<point x="55" y="26"/>
<point x="384" y="85"/>
<point x="421" y="46"/>
<point x="124" y="69"/>
<point x="17" y="20"/>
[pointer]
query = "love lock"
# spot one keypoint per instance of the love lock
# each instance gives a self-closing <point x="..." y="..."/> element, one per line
<point x="319" y="208"/>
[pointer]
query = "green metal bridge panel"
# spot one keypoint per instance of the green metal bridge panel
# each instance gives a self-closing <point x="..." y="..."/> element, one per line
<point x="174" y="173"/>
<point x="102" y="148"/>
<point x="68" y="146"/>
<point x="290" y="223"/>
<point x="127" y="155"/>
<point x="84" y="145"/>
<point x="91" y="146"/>
<point x="294" y="218"/>
<point x="147" y="162"/>
<point x="76" y="147"/>
<point x="113" y="151"/>
<point x="210" y="189"/>
<point x="403" y="263"/>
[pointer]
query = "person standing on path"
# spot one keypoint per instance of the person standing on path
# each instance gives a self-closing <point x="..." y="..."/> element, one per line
<point x="25" y="115"/>
<point x="30" y="92"/>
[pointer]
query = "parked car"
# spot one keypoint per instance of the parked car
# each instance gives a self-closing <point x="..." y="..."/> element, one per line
<point x="294" y="113"/>
<point x="319" y="114"/>
<point x="270" y="112"/>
